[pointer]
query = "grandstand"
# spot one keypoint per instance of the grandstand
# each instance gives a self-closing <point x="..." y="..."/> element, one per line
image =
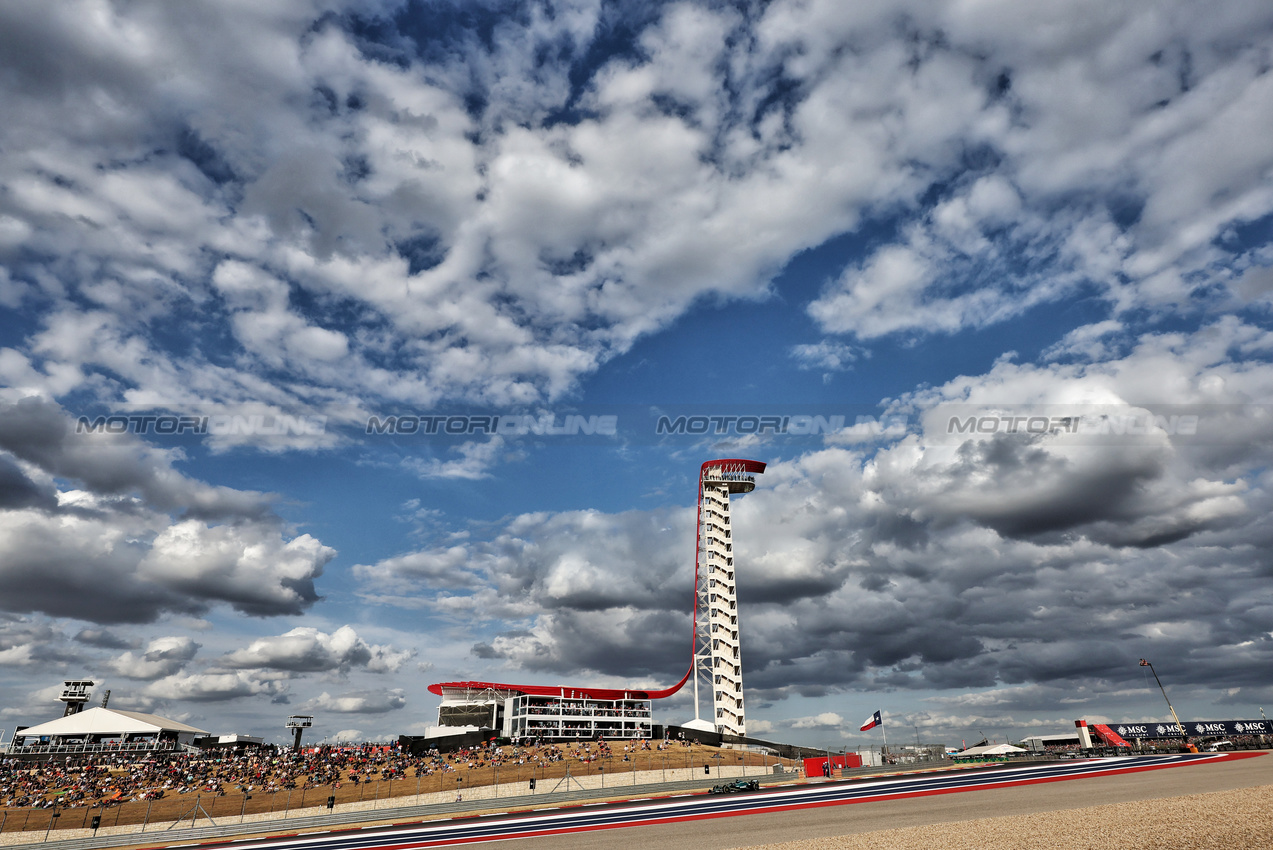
<point x="549" y="713"/>
<point x="568" y="713"/>
<point x="1155" y="736"/>
<point x="1039" y="743"/>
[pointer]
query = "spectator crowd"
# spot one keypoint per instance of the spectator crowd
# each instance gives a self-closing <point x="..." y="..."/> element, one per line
<point x="112" y="779"/>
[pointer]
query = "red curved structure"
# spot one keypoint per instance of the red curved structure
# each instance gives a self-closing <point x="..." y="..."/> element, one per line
<point x="739" y="469"/>
<point x="566" y="692"/>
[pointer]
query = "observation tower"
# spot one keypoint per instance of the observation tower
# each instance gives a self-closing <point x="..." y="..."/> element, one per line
<point x="718" y="666"/>
<point x="564" y="713"/>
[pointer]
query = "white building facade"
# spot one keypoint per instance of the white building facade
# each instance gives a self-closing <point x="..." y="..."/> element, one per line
<point x="550" y="713"/>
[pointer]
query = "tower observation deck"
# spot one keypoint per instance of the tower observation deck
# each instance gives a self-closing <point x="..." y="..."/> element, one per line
<point x="580" y="713"/>
<point x="717" y="665"/>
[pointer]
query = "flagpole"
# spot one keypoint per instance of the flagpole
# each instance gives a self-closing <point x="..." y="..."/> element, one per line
<point x="883" y="732"/>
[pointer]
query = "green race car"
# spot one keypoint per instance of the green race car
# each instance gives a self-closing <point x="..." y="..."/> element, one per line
<point x="736" y="785"/>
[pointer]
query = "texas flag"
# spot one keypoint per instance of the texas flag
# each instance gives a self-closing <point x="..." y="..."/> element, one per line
<point x="873" y="721"/>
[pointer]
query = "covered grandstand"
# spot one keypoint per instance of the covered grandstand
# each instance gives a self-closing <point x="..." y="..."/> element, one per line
<point x="1038" y="743"/>
<point x="98" y="729"/>
<point x="550" y="713"/>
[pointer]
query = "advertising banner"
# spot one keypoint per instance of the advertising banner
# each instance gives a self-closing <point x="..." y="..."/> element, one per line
<point x="1193" y="728"/>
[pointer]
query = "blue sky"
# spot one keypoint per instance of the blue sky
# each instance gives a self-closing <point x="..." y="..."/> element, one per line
<point x="913" y="215"/>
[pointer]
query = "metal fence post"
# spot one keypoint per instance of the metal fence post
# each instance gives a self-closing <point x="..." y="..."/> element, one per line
<point x="53" y="814"/>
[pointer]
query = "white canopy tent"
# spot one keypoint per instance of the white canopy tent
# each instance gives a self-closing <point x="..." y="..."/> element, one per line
<point x="98" y="724"/>
<point x="989" y="750"/>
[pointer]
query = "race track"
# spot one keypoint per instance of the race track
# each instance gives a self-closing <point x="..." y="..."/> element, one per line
<point x="807" y="811"/>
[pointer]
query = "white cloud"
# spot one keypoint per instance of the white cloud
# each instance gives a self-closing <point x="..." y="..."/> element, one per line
<point x="308" y="650"/>
<point x="212" y="687"/>
<point x="354" y="225"/>
<point x="474" y="461"/>
<point x="164" y="656"/>
<point x="1106" y="119"/>
<point x="26" y="642"/>
<point x="545" y="248"/>
<point x="825" y="720"/>
<point x="254" y="569"/>
<point x="756" y="728"/>
<point x="360" y="702"/>
<point x="1091" y="342"/>
<point x="111" y="551"/>
<point x="827" y="355"/>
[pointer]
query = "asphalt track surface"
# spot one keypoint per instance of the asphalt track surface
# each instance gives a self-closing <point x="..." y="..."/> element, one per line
<point x="811" y="811"/>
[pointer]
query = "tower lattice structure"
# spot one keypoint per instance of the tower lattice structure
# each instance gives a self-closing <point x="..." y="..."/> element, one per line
<point x="718" y="666"/>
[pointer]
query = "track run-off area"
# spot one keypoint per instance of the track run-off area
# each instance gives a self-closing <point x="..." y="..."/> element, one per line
<point x="700" y="806"/>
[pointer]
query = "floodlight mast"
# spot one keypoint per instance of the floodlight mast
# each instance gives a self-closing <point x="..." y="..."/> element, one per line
<point x="1179" y="725"/>
<point x="717" y="663"/>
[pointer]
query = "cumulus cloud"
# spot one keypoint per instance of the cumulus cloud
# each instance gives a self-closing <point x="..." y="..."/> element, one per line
<point x="110" y="548"/>
<point x="429" y="228"/>
<point x="474" y="461"/>
<point x="825" y="720"/>
<point x="1090" y="342"/>
<point x="33" y="703"/>
<point x="308" y="650"/>
<point x="226" y="563"/>
<point x="359" y="702"/>
<point x="756" y="728"/>
<point x="30" y="642"/>
<point x="41" y="434"/>
<point x="212" y="686"/>
<point x="105" y="639"/>
<point x="162" y="657"/>
<point x="997" y="242"/>
<point x="608" y="581"/>
<point x="830" y="356"/>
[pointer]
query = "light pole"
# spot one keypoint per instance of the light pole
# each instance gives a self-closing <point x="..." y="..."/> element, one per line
<point x="1179" y="725"/>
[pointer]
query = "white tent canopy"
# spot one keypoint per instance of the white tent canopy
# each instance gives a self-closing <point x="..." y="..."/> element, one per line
<point x="990" y="750"/>
<point x="111" y="723"/>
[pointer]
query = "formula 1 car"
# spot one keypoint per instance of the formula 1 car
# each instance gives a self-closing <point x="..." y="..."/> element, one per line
<point x="736" y="785"/>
